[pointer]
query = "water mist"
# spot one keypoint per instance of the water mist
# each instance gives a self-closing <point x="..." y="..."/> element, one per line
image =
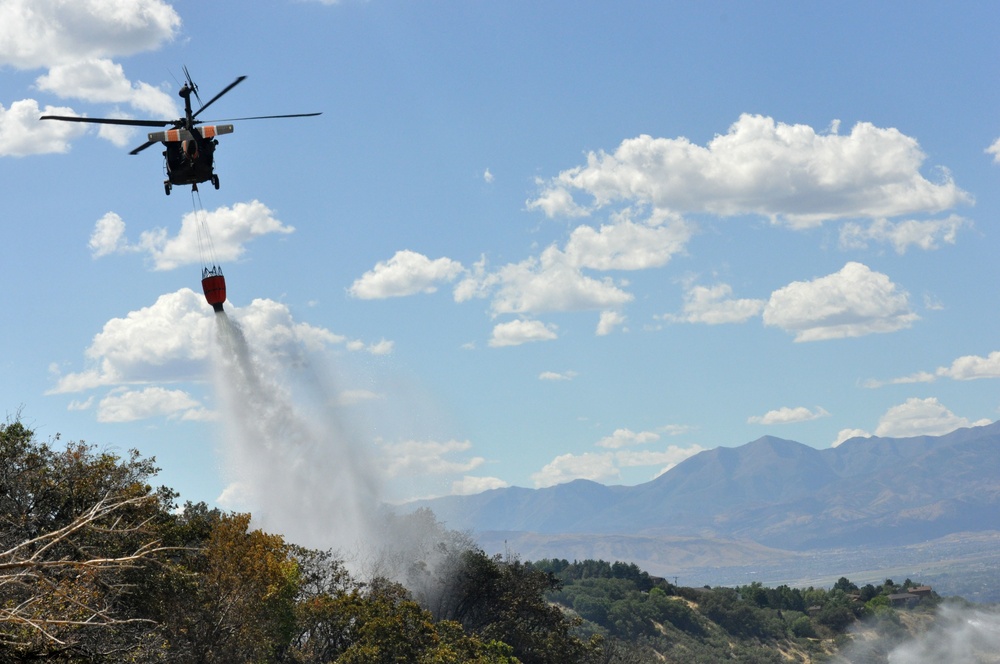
<point x="292" y="459"/>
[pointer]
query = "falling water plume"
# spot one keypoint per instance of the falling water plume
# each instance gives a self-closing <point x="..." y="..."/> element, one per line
<point x="292" y="458"/>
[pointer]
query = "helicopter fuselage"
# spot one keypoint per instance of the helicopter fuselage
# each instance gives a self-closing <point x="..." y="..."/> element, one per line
<point x="190" y="162"/>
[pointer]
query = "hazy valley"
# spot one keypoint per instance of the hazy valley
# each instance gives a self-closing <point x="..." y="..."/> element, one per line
<point x="775" y="511"/>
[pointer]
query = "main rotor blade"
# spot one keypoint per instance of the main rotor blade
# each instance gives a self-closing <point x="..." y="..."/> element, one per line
<point x="267" y="117"/>
<point x="114" y="121"/>
<point x="143" y="147"/>
<point x="190" y="81"/>
<point x="224" y="91"/>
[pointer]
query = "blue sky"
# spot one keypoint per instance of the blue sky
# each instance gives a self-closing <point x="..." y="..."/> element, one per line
<point x="522" y="244"/>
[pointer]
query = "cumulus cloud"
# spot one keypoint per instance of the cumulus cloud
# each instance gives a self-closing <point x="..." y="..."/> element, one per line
<point x="847" y="434"/>
<point x="555" y="375"/>
<point x="760" y="166"/>
<point x="994" y="150"/>
<point x="921" y="417"/>
<point x="415" y="458"/>
<point x="44" y="33"/>
<point x="469" y="485"/>
<point x="569" y="467"/>
<point x="850" y="303"/>
<point x="222" y="233"/>
<point x="714" y="305"/>
<point x="125" y="405"/>
<point x="171" y="341"/>
<point x="74" y="39"/>
<point x="406" y="273"/>
<point x="547" y="283"/>
<point x="966" y="367"/>
<point x="108" y="236"/>
<point x="21" y="134"/>
<point x="103" y="81"/>
<point x="663" y="460"/>
<point x="166" y="342"/>
<point x="518" y="332"/>
<point x="902" y="235"/>
<point x="626" y="438"/>
<point x="786" y="415"/>
<point x="609" y="321"/>
<point x="627" y="245"/>
<point x="605" y="466"/>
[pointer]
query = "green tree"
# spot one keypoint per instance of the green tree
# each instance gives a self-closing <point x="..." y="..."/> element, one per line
<point x="76" y="528"/>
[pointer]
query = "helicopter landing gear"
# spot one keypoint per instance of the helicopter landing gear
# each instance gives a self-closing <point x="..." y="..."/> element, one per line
<point x="215" y="181"/>
<point x="167" y="187"/>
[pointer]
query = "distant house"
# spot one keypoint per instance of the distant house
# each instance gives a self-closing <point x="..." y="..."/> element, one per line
<point x="921" y="591"/>
<point x="906" y="600"/>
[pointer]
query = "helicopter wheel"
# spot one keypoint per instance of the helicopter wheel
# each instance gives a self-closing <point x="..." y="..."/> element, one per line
<point x="215" y="181"/>
<point x="166" y="187"/>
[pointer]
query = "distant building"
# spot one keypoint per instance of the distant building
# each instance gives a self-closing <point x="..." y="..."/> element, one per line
<point x="907" y="600"/>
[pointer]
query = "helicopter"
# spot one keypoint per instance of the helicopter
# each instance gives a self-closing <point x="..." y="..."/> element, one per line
<point x="190" y="148"/>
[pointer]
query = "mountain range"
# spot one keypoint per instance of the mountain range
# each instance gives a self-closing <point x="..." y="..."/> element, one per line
<point x="770" y="500"/>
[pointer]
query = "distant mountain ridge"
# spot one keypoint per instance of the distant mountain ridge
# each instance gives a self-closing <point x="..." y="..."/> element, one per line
<point x="776" y="493"/>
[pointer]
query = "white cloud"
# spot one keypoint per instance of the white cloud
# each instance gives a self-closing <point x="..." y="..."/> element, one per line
<point x="568" y="467"/>
<point x="226" y="231"/>
<point x="627" y="245"/>
<point x="42" y="33"/>
<point x="414" y="458"/>
<point x="229" y="228"/>
<point x="967" y="367"/>
<point x="381" y="347"/>
<point x="846" y="434"/>
<point x="853" y="302"/>
<point x="901" y="235"/>
<point x="994" y="150"/>
<point x="553" y="375"/>
<point x="605" y="466"/>
<point x="545" y="284"/>
<point x="74" y="39"/>
<point x="626" y="438"/>
<point x="103" y="81"/>
<point x="664" y="460"/>
<point x="406" y="273"/>
<point x="166" y="342"/>
<point x="488" y="177"/>
<point x="714" y="305"/>
<point x="125" y="405"/>
<point x="786" y="415"/>
<point x="970" y="367"/>
<point x="608" y="322"/>
<point x="557" y="202"/>
<point x="108" y="236"/>
<point x="518" y="332"/>
<point x="469" y="485"/>
<point x="22" y="134"/>
<point x="784" y="172"/>
<point x="921" y="417"/>
<point x="171" y="340"/>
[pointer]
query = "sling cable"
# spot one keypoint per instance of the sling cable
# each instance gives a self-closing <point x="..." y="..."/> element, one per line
<point x="212" y="281"/>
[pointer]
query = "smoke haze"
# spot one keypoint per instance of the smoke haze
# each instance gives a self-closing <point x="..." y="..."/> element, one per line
<point x="959" y="634"/>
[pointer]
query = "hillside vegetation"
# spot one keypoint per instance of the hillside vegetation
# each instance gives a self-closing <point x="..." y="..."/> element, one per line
<point x="97" y="565"/>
